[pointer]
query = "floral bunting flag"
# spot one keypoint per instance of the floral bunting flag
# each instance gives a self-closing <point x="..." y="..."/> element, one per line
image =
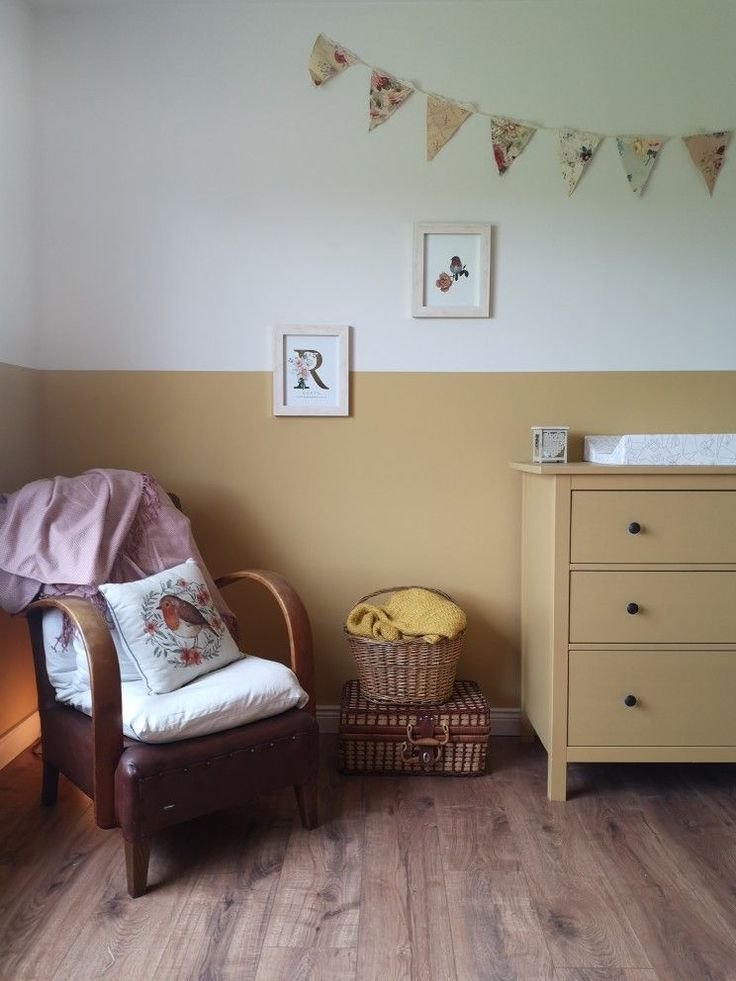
<point x="386" y="95"/>
<point x="638" y="155"/>
<point x="444" y="119"/>
<point x="708" y="153"/>
<point x="576" y="150"/>
<point x="328" y="59"/>
<point x="508" y="138"/>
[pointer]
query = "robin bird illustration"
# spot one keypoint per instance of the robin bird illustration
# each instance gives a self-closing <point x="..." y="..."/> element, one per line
<point x="457" y="268"/>
<point x="183" y="618"/>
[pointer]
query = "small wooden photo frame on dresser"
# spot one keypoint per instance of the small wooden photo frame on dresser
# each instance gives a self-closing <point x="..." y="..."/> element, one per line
<point x="549" y="444"/>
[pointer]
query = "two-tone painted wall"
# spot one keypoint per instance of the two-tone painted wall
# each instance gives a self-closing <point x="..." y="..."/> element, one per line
<point x="191" y="189"/>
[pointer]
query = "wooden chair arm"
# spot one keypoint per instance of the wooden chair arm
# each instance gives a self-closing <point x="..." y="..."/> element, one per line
<point x="297" y="624"/>
<point x="104" y="676"/>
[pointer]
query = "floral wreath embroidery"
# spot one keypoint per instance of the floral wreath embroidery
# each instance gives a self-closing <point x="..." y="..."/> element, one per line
<point x="181" y="624"/>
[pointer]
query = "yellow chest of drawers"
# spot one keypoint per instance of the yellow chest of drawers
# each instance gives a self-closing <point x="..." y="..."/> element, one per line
<point x="628" y="614"/>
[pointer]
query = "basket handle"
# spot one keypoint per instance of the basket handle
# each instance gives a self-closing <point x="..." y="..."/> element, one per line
<point x="394" y="589"/>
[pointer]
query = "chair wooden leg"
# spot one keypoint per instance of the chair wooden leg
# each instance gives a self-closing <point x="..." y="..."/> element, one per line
<point x="306" y="798"/>
<point x="49" y="784"/>
<point x="137" y="854"/>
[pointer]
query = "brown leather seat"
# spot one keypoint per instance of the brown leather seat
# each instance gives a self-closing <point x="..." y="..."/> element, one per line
<point x="142" y="787"/>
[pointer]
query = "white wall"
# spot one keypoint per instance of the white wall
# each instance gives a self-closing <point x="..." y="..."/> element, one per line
<point x="194" y="188"/>
<point x="17" y="340"/>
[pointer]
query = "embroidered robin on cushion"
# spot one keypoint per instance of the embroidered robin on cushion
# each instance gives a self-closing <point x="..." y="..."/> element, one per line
<point x="183" y="618"/>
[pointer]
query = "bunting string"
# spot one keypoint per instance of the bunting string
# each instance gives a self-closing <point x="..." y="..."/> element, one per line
<point x="509" y="136"/>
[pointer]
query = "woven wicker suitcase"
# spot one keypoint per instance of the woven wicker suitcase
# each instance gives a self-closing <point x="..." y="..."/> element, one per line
<point x="448" y="740"/>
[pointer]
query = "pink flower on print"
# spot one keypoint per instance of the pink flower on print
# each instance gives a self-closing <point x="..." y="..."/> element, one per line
<point x="340" y="57"/>
<point x="149" y="627"/>
<point x="203" y="597"/>
<point x="188" y="656"/>
<point x="182" y="583"/>
<point x="500" y="158"/>
<point x="444" y="282"/>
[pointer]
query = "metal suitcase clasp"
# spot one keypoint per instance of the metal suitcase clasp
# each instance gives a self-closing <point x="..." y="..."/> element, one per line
<point x="422" y="746"/>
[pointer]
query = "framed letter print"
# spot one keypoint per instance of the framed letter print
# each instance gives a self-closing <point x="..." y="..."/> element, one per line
<point x="452" y="270"/>
<point x="310" y="371"/>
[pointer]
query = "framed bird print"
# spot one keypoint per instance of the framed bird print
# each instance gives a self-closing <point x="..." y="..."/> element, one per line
<point x="452" y="270"/>
<point x="310" y="371"/>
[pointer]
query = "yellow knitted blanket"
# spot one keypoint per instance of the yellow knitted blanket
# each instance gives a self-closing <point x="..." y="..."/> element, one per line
<point x="408" y="613"/>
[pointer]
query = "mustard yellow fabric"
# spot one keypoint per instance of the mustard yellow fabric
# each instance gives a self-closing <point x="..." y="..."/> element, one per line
<point x="408" y="614"/>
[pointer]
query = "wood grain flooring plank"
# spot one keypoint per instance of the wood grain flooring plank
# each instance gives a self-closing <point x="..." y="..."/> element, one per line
<point x="495" y="929"/>
<point x="404" y="918"/>
<point x="671" y="934"/>
<point x="315" y="910"/>
<point x="585" y="923"/>
<point x="642" y="857"/>
<point x="477" y="837"/>
<point x="316" y="964"/>
<point x="55" y="907"/>
<point x="210" y="939"/>
<point x="590" y="974"/>
<point x="547" y="833"/>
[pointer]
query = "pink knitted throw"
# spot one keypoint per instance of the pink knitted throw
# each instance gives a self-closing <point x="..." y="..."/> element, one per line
<point x="65" y="535"/>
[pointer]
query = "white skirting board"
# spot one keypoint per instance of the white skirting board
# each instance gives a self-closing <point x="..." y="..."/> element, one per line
<point x="504" y="721"/>
<point x="20" y="737"/>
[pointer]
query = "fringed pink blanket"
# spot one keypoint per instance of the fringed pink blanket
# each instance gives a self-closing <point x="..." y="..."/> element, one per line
<point x="66" y="535"/>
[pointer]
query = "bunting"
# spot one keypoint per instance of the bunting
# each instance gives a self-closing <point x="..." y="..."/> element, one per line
<point x="509" y="137"/>
<point x="708" y="153"/>
<point x="638" y="155"/>
<point x="328" y="59"/>
<point x="444" y="119"/>
<point x="386" y="95"/>
<point x="576" y="150"/>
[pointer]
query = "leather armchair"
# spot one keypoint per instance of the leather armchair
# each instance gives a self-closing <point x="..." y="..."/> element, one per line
<point x="142" y="787"/>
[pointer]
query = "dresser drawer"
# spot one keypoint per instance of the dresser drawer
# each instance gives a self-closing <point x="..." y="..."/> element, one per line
<point x="673" y="607"/>
<point x="675" y="526"/>
<point x="682" y="698"/>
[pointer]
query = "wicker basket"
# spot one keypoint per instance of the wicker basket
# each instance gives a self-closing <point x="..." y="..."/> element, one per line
<point x="406" y="672"/>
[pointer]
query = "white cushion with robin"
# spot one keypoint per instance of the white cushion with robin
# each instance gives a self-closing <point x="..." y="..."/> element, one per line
<point x="170" y="627"/>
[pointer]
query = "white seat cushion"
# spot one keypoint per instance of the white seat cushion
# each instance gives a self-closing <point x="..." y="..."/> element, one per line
<point x="244" y="691"/>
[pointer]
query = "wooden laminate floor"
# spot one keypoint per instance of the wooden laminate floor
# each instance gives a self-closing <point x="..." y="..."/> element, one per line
<point x="429" y="879"/>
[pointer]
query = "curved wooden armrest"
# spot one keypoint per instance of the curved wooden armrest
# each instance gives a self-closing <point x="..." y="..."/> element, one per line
<point x="297" y="624"/>
<point x="104" y="676"/>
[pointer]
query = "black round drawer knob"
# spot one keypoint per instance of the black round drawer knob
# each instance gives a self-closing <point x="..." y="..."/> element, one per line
<point x="632" y="608"/>
<point x="630" y="700"/>
<point x="634" y="528"/>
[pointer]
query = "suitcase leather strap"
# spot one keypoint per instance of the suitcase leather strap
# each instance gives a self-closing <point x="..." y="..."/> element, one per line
<point x="421" y="745"/>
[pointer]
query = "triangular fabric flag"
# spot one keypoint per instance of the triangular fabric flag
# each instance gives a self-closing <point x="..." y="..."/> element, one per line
<point x="386" y="95"/>
<point x="444" y="119"/>
<point x="576" y="150"/>
<point x="638" y="155"/>
<point x="708" y="152"/>
<point x="508" y="138"/>
<point x="328" y="59"/>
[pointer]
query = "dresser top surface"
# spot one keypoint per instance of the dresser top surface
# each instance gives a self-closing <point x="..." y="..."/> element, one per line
<point x="570" y="469"/>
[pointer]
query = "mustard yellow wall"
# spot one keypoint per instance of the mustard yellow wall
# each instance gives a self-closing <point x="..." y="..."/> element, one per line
<point x="20" y="461"/>
<point x="413" y="487"/>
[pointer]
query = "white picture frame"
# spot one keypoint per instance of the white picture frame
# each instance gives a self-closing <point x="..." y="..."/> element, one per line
<point x="452" y="269"/>
<point x="310" y="371"/>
